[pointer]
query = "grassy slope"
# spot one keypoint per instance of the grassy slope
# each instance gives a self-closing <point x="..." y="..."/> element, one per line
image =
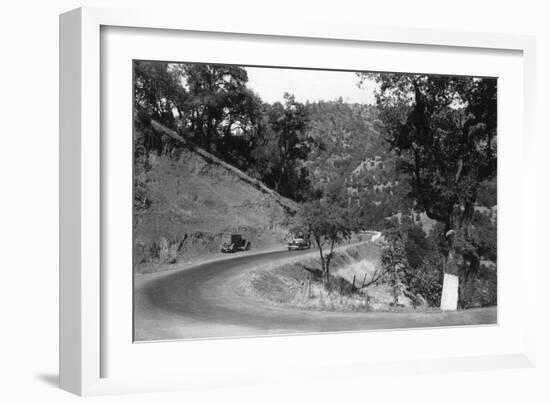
<point x="286" y="284"/>
<point x="192" y="203"/>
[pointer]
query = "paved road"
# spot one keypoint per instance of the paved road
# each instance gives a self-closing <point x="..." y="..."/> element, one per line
<point x="202" y="302"/>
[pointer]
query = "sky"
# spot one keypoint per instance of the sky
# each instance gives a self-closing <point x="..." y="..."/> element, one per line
<point x="308" y="85"/>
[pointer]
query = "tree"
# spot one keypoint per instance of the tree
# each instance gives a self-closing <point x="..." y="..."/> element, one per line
<point x="219" y="104"/>
<point x="444" y="131"/>
<point x="329" y="221"/>
<point x="283" y="147"/>
<point x="157" y="93"/>
<point x="209" y="105"/>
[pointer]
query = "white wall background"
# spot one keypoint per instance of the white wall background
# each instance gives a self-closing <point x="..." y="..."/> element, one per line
<point x="29" y="197"/>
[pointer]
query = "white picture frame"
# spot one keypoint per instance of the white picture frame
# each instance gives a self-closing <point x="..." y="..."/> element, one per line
<point x="83" y="309"/>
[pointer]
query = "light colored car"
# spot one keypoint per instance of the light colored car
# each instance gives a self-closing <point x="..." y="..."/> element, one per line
<point x="298" y="244"/>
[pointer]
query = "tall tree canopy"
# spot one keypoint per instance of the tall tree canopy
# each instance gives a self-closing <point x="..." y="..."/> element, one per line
<point x="219" y="106"/>
<point x="283" y="148"/>
<point x="209" y="104"/>
<point x="157" y="93"/>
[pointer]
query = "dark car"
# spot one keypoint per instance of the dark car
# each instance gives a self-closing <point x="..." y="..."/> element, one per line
<point x="234" y="243"/>
<point x="298" y="244"/>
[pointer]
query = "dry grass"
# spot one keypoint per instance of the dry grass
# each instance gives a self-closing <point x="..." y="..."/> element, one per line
<point x="297" y="284"/>
<point x="192" y="204"/>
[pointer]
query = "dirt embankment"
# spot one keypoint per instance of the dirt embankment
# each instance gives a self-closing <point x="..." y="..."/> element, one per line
<point x="297" y="283"/>
<point x="188" y="203"/>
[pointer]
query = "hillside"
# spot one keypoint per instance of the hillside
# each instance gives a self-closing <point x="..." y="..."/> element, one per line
<point x="354" y="149"/>
<point x="348" y="133"/>
<point x="185" y="202"/>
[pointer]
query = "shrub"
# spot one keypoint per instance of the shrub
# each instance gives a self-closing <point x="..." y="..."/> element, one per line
<point x="426" y="279"/>
<point x="478" y="290"/>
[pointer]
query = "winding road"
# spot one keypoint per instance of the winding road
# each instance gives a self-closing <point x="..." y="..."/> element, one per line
<point x="202" y="302"/>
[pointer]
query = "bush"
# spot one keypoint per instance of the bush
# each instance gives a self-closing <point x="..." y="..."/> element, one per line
<point x="427" y="279"/>
<point x="484" y="236"/>
<point x="423" y="262"/>
<point x="394" y="264"/>
<point x="422" y="265"/>
<point x="478" y="290"/>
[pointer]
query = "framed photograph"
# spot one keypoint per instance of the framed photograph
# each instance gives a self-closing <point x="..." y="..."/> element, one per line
<point x="275" y="202"/>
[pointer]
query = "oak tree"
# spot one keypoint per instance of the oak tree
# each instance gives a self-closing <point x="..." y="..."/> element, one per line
<point x="444" y="130"/>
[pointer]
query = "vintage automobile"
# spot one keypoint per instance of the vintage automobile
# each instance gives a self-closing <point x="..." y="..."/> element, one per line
<point x="234" y="243"/>
<point x="298" y="244"/>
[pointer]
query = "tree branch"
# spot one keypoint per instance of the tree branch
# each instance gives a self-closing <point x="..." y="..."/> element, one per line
<point x="376" y="276"/>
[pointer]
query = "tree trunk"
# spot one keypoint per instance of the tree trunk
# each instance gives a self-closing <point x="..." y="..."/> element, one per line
<point x="208" y="143"/>
<point x="324" y="278"/>
<point x="326" y="269"/>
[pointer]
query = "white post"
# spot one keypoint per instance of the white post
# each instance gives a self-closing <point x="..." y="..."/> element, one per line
<point x="449" y="293"/>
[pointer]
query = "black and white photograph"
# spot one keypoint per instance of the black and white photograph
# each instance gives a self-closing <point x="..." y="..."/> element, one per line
<point x="280" y="201"/>
<point x="290" y="201"/>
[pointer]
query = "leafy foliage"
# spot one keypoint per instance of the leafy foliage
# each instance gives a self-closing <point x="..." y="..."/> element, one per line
<point x="156" y="93"/>
<point x="394" y="261"/>
<point x="444" y="130"/>
<point x="487" y="193"/>
<point x="420" y="259"/>
<point x="220" y="112"/>
<point x="479" y="290"/>
<point x="328" y="220"/>
<point x="283" y="146"/>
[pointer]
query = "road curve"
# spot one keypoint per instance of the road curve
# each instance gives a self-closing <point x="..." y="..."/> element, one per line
<point x="202" y="302"/>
